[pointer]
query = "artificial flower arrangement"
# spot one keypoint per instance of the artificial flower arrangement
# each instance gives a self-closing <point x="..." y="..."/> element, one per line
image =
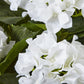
<point x="45" y="43"/>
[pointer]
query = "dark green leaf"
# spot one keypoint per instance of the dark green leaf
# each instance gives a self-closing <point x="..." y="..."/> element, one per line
<point x="19" y="33"/>
<point x="10" y="17"/>
<point x="10" y="20"/>
<point x="9" y="78"/>
<point x="41" y="26"/>
<point x="22" y="31"/>
<point x="26" y="30"/>
<point x="6" y="12"/>
<point x="17" y="48"/>
<point x="77" y="29"/>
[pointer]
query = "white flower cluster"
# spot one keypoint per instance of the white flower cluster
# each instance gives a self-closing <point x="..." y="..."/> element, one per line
<point x="4" y="47"/>
<point x="48" y="62"/>
<point x="56" y="14"/>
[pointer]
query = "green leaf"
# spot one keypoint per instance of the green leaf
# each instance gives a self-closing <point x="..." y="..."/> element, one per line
<point x="10" y="17"/>
<point x="26" y="30"/>
<point x="10" y="20"/>
<point x="77" y="29"/>
<point x="9" y="78"/>
<point x="5" y="10"/>
<point x="19" y="33"/>
<point x="41" y="26"/>
<point x="16" y="27"/>
<point x="17" y="48"/>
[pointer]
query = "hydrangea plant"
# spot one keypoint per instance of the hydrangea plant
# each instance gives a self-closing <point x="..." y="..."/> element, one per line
<point x="49" y="41"/>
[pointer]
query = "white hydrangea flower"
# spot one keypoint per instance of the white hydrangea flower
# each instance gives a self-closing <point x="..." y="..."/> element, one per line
<point x="65" y="57"/>
<point x="74" y="75"/>
<point x="43" y="41"/>
<point x="79" y="4"/>
<point x="36" y="49"/>
<point x="56" y="14"/>
<point x="4" y="47"/>
<point x="37" y="78"/>
<point x="58" y="19"/>
<point x="47" y="55"/>
<point x="50" y="13"/>
<point x="14" y="4"/>
<point x="24" y="65"/>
